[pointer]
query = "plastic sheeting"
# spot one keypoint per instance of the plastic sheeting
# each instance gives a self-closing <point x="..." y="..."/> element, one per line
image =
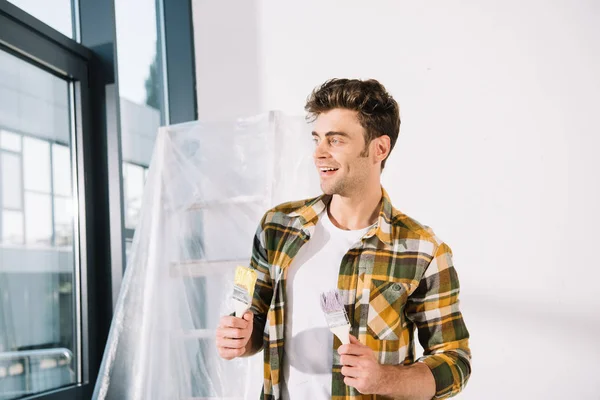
<point x="208" y="186"/>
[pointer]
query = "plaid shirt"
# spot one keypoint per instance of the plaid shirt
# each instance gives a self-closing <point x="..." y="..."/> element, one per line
<point x="398" y="277"/>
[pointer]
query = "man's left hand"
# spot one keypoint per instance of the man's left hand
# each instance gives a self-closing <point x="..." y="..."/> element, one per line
<point x="360" y="367"/>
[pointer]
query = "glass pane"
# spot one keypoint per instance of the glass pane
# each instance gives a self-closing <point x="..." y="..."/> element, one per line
<point x="10" y="141"/>
<point x="140" y="90"/>
<point x="27" y="91"/>
<point x="11" y="181"/>
<point x="133" y="185"/>
<point x="12" y="227"/>
<point x="61" y="170"/>
<point x="63" y="221"/>
<point x="38" y="219"/>
<point x="36" y="162"/>
<point x="56" y="13"/>
<point x="37" y="263"/>
<point x="137" y="51"/>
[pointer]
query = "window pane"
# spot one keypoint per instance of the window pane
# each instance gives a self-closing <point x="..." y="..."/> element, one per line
<point x="37" y="280"/>
<point x="36" y="162"/>
<point x="38" y="219"/>
<point x="56" y="13"/>
<point x="137" y="50"/>
<point x="63" y="221"/>
<point x="141" y="88"/>
<point x="10" y="141"/>
<point x="61" y="169"/>
<point x="11" y="181"/>
<point x="12" y="228"/>
<point x="133" y="188"/>
<point x="32" y="101"/>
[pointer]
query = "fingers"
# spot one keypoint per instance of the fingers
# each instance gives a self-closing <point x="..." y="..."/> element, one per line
<point x="349" y="360"/>
<point x="351" y="348"/>
<point x="354" y="349"/>
<point x="353" y="372"/>
<point x="229" y="354"/>
<point x="229" y="321"/>
<point x="231" y="343"/>
<point x="229" y="347"/>
<point x="232" y="333"/>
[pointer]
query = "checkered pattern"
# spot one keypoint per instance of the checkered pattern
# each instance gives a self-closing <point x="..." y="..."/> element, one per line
<point x="399" y="277"/>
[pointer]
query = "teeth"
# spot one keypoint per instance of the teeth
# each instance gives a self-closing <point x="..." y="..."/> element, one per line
<point x="328" y="169"/>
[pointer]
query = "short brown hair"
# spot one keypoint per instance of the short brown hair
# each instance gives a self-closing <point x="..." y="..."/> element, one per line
<point x="378" y="112"/>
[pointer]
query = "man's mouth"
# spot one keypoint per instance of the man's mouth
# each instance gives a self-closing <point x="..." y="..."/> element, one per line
<point x="327" y="171"/>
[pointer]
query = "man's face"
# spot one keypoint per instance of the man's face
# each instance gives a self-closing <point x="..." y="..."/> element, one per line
<point x="340" y="157"/>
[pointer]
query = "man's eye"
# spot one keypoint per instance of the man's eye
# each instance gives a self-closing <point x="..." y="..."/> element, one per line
<point x="334" y="141"/>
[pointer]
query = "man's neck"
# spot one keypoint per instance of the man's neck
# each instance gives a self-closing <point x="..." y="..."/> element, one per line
<point x="355" y="212"/>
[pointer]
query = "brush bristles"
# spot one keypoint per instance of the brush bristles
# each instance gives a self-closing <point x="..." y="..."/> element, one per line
<point x="331" y="301"/>
<point x="245" y="279"/>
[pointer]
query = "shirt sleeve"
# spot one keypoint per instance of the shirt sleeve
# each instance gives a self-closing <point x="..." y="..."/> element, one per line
<point x="263" y="290"/>
<point x="434" y="308"/>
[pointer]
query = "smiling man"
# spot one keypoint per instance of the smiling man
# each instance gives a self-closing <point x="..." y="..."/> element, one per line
<point x="393" y="273"/>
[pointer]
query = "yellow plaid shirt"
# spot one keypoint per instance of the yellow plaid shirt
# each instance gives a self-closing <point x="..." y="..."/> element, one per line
<point x="399" y="277"/>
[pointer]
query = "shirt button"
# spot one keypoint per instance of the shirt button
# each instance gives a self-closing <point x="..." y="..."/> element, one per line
<point x="397" y="287"/>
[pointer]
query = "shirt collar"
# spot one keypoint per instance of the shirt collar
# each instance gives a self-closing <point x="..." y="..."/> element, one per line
<point x="309" y="214"/>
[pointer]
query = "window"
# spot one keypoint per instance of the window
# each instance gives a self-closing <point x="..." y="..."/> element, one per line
<point x="37" y="207"/>
<point x="134" y="178"/>
<point x="141" y="90"/>
<point x="38" y="344"/>
<point x="57" y="163"/>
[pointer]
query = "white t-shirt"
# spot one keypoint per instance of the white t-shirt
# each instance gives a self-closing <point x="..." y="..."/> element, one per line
<point x="308" y="341"/>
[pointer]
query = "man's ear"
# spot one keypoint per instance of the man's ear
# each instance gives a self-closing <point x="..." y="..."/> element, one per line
<point x="382" y="147"/>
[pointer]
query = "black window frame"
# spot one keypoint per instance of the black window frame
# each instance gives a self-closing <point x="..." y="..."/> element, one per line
<point x="89" y="61"/>
<point x="38" y="44"/>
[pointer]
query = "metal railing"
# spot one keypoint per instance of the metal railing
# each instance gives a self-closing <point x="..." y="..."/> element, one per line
<point x="32" y="371"/>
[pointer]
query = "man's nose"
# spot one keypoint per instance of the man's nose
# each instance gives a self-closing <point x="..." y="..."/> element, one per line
<point x="320" y="150"/>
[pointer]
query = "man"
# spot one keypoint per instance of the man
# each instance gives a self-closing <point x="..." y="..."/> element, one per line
<point x="393" y="273"/>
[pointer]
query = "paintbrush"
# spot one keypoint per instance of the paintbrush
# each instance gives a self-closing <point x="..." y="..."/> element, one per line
<point x="335" y="314"/>
<point x="243" y="290"/>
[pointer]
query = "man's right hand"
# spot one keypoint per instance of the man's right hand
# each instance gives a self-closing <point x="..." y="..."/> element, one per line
<point x="233" y="335"/>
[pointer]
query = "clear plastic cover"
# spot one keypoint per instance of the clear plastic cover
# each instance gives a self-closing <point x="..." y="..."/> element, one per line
<point x="208" y="186"/>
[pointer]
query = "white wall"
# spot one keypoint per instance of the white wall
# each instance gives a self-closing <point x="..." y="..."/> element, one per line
<point x="227" y="58"/>
<point x="499" y="103"/>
